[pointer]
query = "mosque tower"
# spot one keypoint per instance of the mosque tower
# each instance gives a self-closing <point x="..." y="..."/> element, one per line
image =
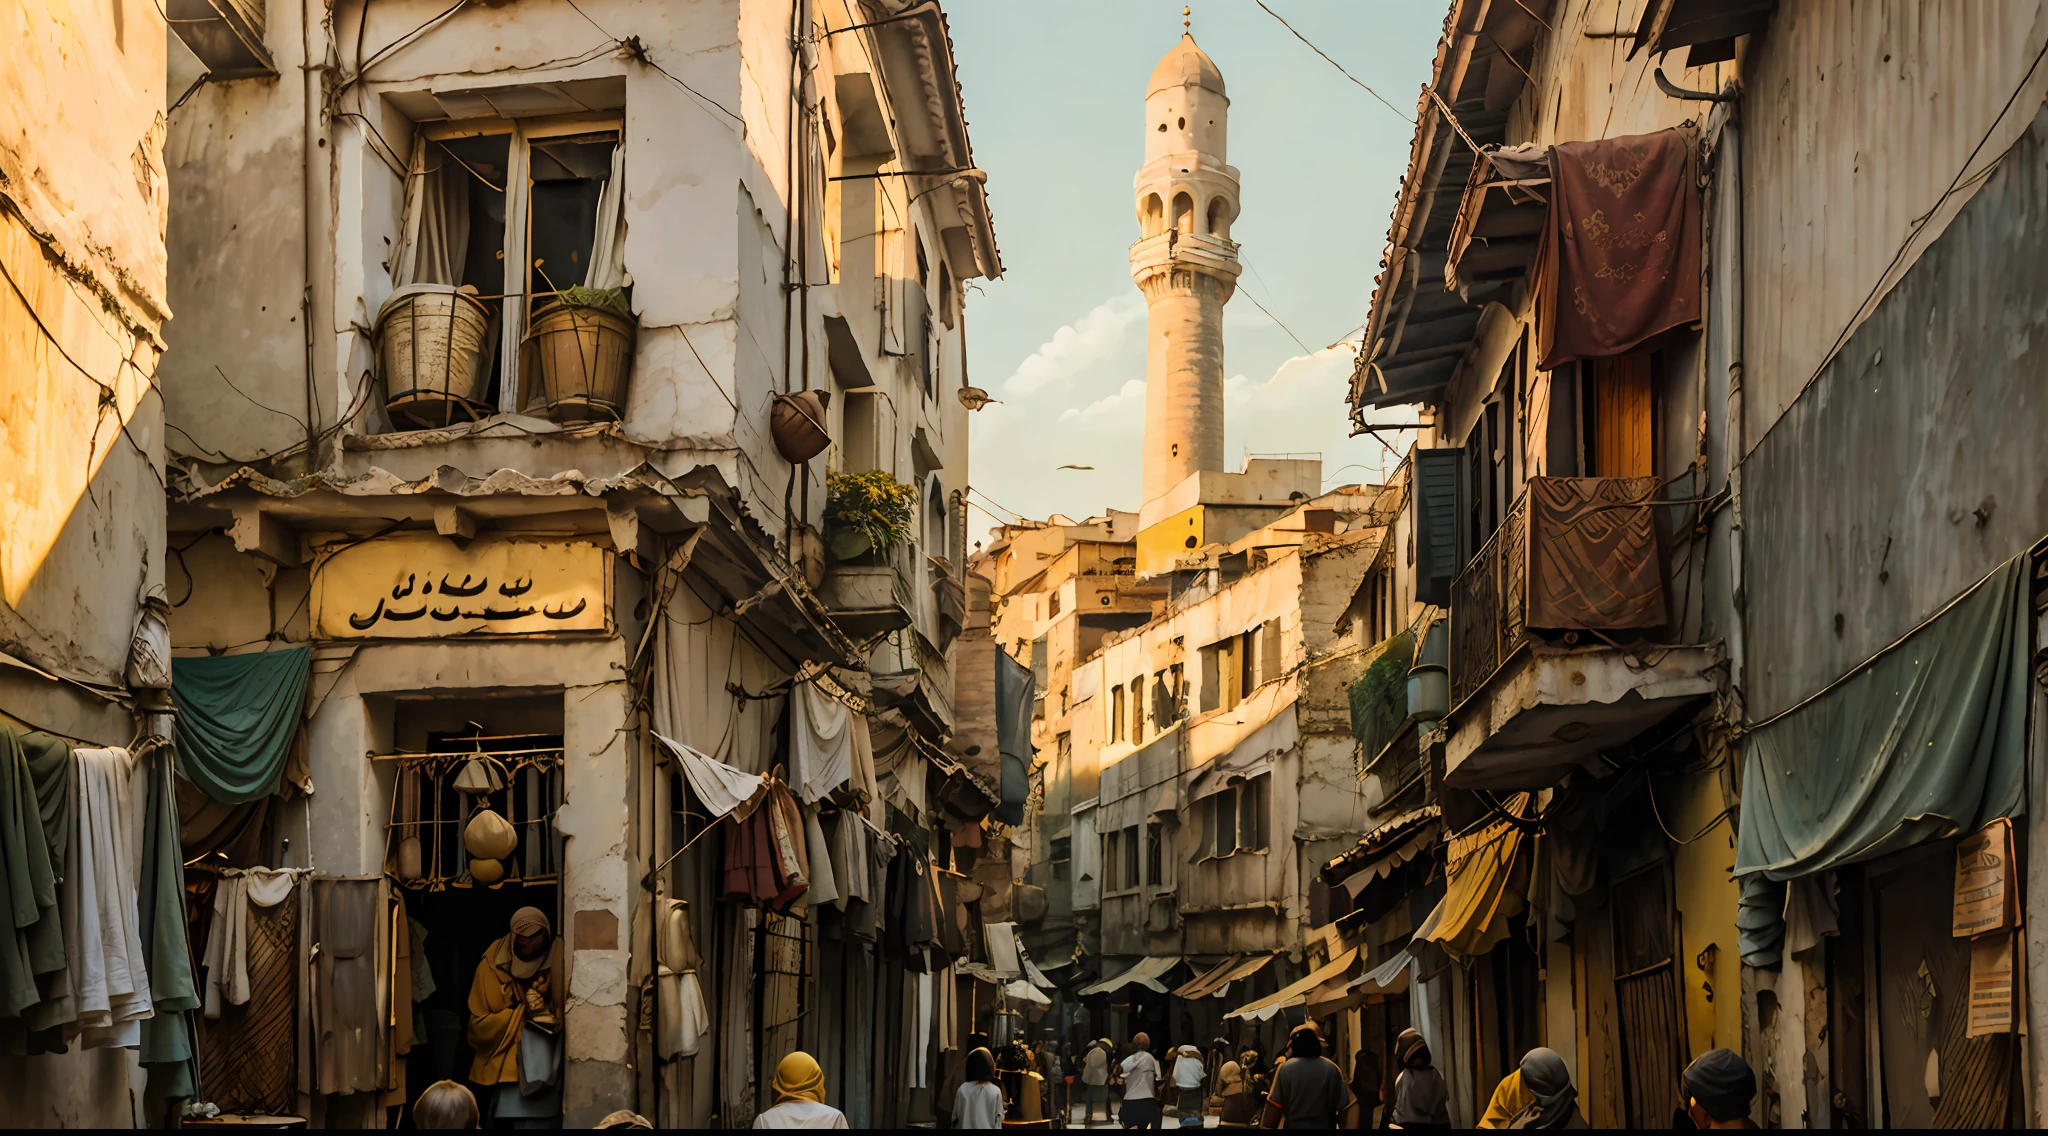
<point x="1185" y="263"/>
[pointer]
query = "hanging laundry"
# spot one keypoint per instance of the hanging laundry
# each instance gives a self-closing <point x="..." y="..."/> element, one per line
<point x="824" y="882"/>
<point x="113" y="986"/>
<point x="679" y="995"/>
<point x="35" y="837"/>
<point x="750" y="860"/>
<point x="786" y="826"/>
<point x="238" y="716"/>
<point x="820" y="742"/>
<point x="167" y="1038"/>
<point x="721" y="788"/>
<point x="227" y="937"/>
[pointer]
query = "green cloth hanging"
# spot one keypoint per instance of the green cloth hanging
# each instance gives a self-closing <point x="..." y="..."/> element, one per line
<point x="167" y="1046"/>
<point x="32" y="939"/>
<point x="237" y="715"/>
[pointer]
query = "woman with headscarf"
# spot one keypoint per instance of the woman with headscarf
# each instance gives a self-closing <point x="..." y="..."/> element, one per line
<point x="1509" y="1099"/>
<point x="1365" y="1085"/>
<point x="518" y="984"/>
<point x="1421" y="1097"/>
<point x="1553" y="1102"/>
<point x="1240" y="1099"/>
<point x="978" y="1103"/>
<point x="800" y="1096"/>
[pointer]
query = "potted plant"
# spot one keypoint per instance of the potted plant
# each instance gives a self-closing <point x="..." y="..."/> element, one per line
<point x="579" y="343"/>
<point x="866" y="514"/>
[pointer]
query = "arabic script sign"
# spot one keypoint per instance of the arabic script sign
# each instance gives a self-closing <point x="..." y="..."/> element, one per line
<point x="421" y="586"/>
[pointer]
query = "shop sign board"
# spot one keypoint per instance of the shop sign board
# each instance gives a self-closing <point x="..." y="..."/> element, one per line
<point x="425" y="586"/>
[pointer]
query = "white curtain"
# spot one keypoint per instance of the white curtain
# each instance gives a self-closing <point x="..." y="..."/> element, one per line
<point x="608" y="244"/>
<point x="433" y="236"/>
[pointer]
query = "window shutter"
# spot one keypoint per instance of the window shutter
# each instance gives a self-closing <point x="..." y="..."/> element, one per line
<point x="1269" y="651"/>
<point x="1437" y="476"/>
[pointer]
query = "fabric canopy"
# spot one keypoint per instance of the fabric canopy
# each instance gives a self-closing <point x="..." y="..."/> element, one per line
<point x="720" y="787"/>
<point x="1927" y="741"/>
<point x="1025" y="992"/>
<point x="1002" y="949"/>
<point x="237" y="718"/>
<point x="1214" y="981"/>
<point x="1488" y="884"/>
<point x="1147" y="973"/>
<point x="1031" y="972"/>
<point x="1295" y="993"/>
<point x="1389" y="977"/>
<point x="1378" y="843"/>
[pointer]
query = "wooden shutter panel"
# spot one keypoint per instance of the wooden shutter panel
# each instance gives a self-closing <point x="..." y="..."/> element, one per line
<point x="1437" y="476"/>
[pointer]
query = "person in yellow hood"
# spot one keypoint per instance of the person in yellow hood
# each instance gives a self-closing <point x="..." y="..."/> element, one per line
<point x="520" y="981"/>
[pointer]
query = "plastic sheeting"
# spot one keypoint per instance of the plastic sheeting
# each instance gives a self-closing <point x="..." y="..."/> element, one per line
<point x="237" y="718"/>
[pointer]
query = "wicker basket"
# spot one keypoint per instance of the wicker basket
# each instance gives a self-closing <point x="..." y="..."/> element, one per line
<point x="582" y="358"/>
<point x="429" y="338"/>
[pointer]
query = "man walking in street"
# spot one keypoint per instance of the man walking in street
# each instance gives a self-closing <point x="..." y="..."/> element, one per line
<point x="1309" y="1090"/>
<point x="1141" y="1080"/>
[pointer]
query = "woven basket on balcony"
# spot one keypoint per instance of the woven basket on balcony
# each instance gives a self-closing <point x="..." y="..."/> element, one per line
<point x="429" y="338"/>
<point x="582" y="357"/>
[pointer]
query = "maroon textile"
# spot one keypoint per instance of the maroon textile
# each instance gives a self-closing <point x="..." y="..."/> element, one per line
<point x="1593" y="561"/>
<point x="750" y="860"/>
<point x="1620" y="263"/>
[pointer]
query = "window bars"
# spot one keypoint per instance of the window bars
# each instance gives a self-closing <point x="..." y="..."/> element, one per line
<point x="424" y="837"/>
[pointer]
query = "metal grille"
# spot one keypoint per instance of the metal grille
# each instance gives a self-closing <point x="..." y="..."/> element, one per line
<point x="1489" y="605"/>
<point x="427" y="808"/>
<point x="785" y="959"/>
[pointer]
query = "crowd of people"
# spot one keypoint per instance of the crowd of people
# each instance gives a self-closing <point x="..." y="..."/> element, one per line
<point x="515" y="994"/>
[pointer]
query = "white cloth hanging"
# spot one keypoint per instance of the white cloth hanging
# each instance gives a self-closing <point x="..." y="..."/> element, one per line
<point x="720" y="787"/>
<point x="112" y="983"/>
<point x="680" y="997"/>
<point x="227" y="934"/>
<point x="820" y="743"/>
<point x="1002" y="949"/>
<point x="922" y="1045"/>
<point x="608" y="242"/>
<point x="949" y="1009"/>
<point x="433" y="230"/>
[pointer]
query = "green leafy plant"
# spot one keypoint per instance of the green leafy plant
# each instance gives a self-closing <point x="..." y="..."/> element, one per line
<point x="580" y="297"/>
<point x="872" y="504"/>
<point x="1379" y="699"/>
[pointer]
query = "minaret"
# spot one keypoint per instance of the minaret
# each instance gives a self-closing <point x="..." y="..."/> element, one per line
<point x="1185" y="263"/>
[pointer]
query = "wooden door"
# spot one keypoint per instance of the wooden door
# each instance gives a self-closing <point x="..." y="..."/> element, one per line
<point x="1618" y="402"/>
<point x="1647" y="997"/>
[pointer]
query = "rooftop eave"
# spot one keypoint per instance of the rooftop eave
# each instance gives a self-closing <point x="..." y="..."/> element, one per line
<point x="925" y="45"/>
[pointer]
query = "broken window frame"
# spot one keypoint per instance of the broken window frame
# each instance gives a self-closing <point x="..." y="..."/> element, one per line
<point x="522" y="134"/>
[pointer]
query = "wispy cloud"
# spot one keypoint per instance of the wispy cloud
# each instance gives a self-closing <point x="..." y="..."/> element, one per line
<point x="1078" y="345"/>
<point x="1125" y="407"/>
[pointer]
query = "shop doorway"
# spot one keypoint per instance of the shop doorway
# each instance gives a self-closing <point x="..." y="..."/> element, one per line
<point x="453" y="759"/>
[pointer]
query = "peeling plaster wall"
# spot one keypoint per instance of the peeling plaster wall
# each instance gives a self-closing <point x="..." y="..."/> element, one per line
<point x="82" y="200"/>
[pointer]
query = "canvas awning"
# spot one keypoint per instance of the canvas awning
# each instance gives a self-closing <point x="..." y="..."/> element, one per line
<point x="1389" y="977"/>
<point x="1032" y="974"/>
<point x="719" y="787"/>
<point x="1023" y="991"/>
<point x="1488" y="884"/>
<point x="1295" y="993"/>
<point x="1147" y="973"/>
<point x="1217" y="979"/>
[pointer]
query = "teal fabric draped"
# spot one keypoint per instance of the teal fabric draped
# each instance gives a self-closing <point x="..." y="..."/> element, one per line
<point x="1926" y="742"/>
<point x="237" y="715"/>
<point x="167" y="1039"/>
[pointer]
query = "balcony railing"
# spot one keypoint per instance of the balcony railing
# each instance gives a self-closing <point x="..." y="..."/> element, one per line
<point x="1583" y="556"/>
<point x="1489" y="608"/>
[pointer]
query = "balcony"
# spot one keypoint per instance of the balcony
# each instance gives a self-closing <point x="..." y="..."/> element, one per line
<point x="1552" y="630"/>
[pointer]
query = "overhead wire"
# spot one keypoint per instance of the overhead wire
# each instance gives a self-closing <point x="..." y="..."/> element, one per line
<point x="1339" y="66"/>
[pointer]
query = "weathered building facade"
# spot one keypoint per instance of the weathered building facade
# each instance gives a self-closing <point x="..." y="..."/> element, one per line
<point x="557" y="483"/>
<point x="1698" y="304"/>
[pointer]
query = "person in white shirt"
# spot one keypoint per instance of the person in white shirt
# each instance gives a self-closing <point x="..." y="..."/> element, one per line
<point x="1141" y="1076"/>
<point x="800" y="1097"/>
<point x="978" y="1103"/>
<point x="1188" y="1074"/>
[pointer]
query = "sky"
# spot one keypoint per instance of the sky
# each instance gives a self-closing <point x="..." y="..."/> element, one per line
<point x="1055" y="95"/>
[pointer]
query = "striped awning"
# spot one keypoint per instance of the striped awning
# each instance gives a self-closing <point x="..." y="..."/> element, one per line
<point x="1217" y="979"/>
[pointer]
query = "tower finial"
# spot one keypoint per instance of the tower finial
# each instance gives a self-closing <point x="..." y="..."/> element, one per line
<point x="1187" y="19"/>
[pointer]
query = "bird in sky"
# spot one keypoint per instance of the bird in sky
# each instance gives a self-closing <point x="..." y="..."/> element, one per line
<point x="1074" y="467"/>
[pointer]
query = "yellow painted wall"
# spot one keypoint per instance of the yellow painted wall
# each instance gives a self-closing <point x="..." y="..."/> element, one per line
<point x="1163" y="543"/>
<point x="1692" y="807"/>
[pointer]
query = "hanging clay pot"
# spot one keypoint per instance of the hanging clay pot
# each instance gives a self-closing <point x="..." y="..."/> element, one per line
<point x="798" y="424"/>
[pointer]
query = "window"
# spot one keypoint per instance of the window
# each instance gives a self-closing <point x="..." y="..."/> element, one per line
<point x="1269" y="651"/>
<point x="1052" y="603"/>
<point x="1041" y="660"/>
<point x="512" y="208"/>
<point x="1155" y="854"/>
<point x="1116" y="714"/>
<point x="1238" y="818"/>
<point x="1176" y="681"/>
<point x="1112" y="861"/>
<point x="1227" y="671"/>
<point x="1138" y="709"/>
<point x="1062" y="858"/>
<point x="1130" y="868"/>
